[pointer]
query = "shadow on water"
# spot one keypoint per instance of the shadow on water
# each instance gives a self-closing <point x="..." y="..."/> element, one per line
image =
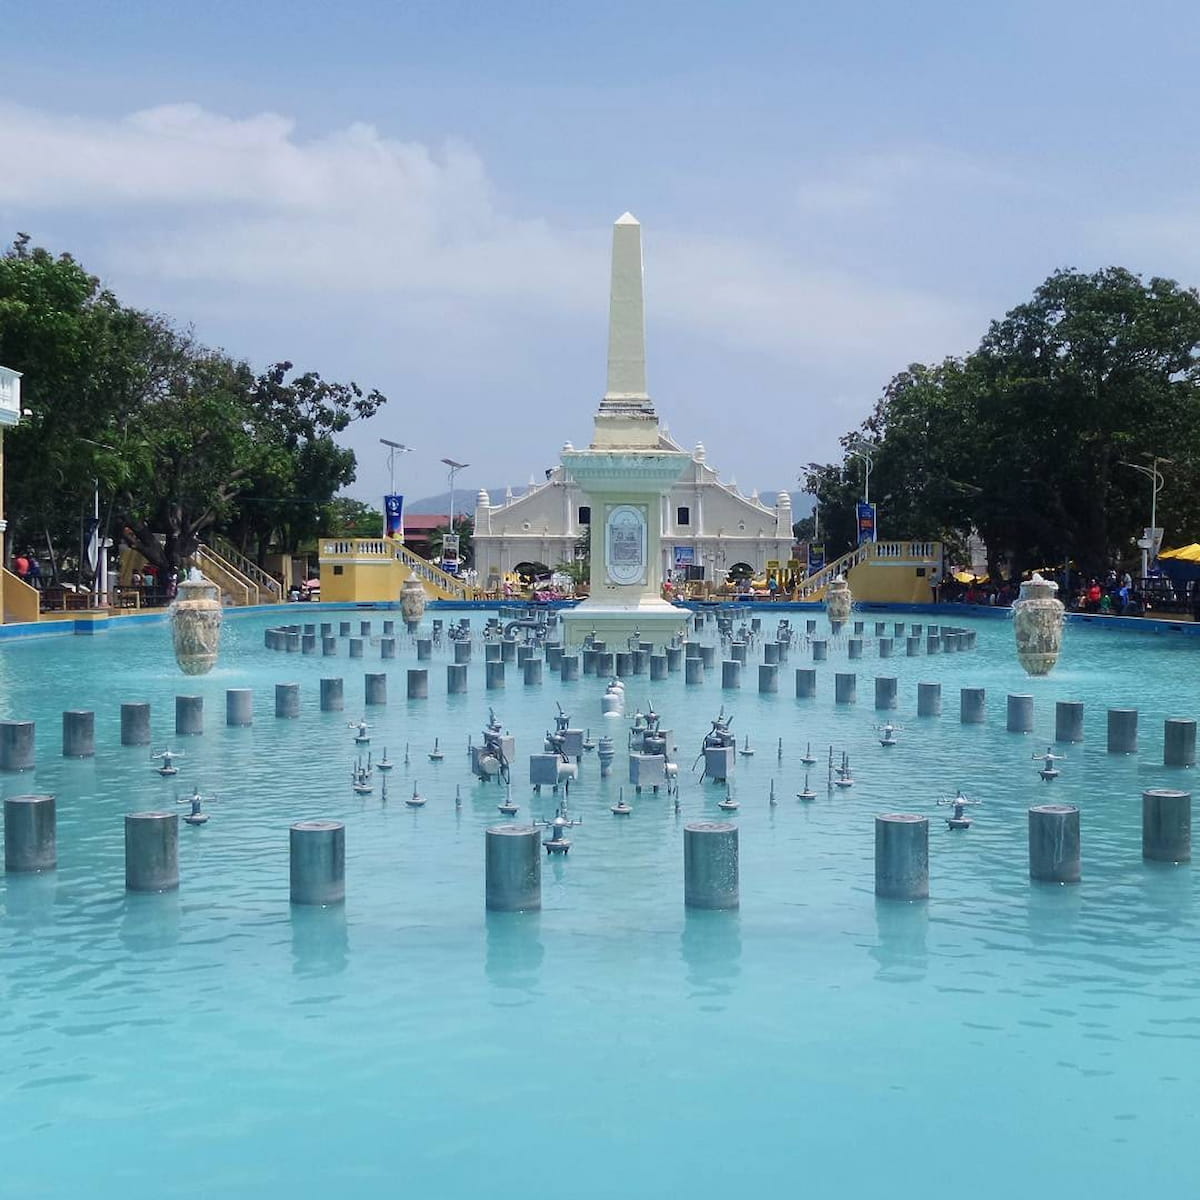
<point x="29" y="899"/>
<point x="1167" y="889"/>
<point x="901" y="952"/>
<point x="711" y="947"/>
<point x="514" y="952"/>
<point x="149" y="921"/>
<point x="320" y="941"/>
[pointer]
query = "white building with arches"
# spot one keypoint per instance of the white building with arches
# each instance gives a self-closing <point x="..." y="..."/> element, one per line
<point x="705" y="524"/>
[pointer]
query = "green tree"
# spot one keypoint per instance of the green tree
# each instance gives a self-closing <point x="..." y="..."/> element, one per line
<point x="176" y="438"/>
<point x="344" y="517"/>
<point x="298" y="467"/>
<point x="87" y="362"/>
<point x="1024" y="439"/>
<point x="1095" y="369"/>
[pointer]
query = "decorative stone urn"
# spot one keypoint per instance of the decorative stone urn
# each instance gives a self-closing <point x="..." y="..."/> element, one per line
<point x="412" y="603"/>
<point x="196" y="624"/>
<point x="838" y="599"/>
<point x="1038" y="625"/>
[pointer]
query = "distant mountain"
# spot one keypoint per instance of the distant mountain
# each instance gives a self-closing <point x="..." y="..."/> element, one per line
<point x="464" y="501"/>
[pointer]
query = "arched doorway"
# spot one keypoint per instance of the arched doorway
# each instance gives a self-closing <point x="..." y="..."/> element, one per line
<point x="532" y="573"/>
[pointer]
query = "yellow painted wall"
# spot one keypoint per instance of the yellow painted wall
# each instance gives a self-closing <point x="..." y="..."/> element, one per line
<point x="883" y="583"/>
<point x="21" y="602"/>
<point x="362" y="582"/>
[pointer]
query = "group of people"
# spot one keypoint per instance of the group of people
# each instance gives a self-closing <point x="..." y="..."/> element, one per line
<point x="1116" y="596"/>
<point x="27" y="569"/>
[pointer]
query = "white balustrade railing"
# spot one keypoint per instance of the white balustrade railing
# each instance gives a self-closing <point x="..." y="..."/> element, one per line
<point x="356" y="548"/>
<point x="266" y="582"/>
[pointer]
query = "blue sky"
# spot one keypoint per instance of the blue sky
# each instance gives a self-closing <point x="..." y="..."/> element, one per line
<point x="419" y="195"/>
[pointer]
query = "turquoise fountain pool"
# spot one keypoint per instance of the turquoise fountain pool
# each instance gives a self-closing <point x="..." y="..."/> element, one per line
<point x="1002" y="1039"/>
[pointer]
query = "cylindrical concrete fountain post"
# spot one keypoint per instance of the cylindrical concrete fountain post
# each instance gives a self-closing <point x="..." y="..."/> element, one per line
<point x="1179" y="742"/>
<point x="16" y="745"/>
<point x="901" y="856"/>
<point x="710" y="864"/>
<point x="189" y="716"/>
<point x="972" y="706"/>
<point x="78" y="734"/>
<point x="1122" y="730"/>
<point x="1054" y="855"/>
<point x="317" y="861"/>
<point x="512" y="868"/>
<point x="135" y="723"/>
<point x="1068" y="721"/>
<point x="1019" y="713"/>
<point x="30" y="834"/>
<point x="239" y="706"/>
<point x="332" y="695"/>
<point x="151" y="851"/>
<point x="1167" y="825"/>
<point x="287" y="701"/>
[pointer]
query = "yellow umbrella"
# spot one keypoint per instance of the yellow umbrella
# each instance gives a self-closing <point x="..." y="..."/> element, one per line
<point x="1184" y="553"/>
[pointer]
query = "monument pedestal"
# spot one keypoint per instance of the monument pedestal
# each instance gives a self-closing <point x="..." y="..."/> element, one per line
<point x="625" y="487"/>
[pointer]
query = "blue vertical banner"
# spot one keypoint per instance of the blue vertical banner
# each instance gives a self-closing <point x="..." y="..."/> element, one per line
<point x="393" y="514"/>
<point x="866" y="523"/>
<point x="816" y="557"/>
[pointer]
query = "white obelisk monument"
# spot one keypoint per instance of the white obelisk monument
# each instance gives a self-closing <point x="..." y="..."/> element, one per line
<point x="626" y="474"/>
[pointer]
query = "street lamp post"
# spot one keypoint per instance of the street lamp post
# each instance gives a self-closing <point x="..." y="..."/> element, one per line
<point x="815" y="491"/>
<point x="1157" y="482"/>
<point x="392" y="448"/>
<point x="455" y="467"/>
<point x="865" y="454"/>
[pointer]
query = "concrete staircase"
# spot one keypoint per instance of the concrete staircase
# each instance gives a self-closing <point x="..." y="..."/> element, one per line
<point x="443" y="586"/>
<point x="813" y="588"/>
<point x="270" y="590"/>
<point x="237" y="589"/>
<point x="880" y="571"/>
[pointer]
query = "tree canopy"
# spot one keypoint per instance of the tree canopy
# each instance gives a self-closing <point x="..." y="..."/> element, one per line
<point x="176" y="438"/>
<point x="1027" y="439"/>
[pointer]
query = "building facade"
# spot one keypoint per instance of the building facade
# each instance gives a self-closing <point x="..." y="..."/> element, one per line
<point x="705" y="525"/>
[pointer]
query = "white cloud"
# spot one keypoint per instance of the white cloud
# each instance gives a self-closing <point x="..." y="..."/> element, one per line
<point x="250" y="206"/>
<point x="877" y="181"/>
